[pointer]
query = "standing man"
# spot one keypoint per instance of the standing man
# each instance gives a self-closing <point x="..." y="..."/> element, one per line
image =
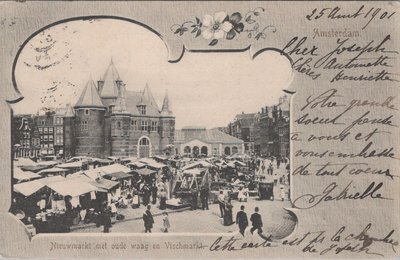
<point x="154" y="191"/>
<point x="204" y="198"/>
<point x="241" y="220"/>
<point x="256" y="222"/>
<point x="148" y="220"/>
<point x="195" y="195"/>
<point x="221" y="202"/>
<point x="146" y="194"/>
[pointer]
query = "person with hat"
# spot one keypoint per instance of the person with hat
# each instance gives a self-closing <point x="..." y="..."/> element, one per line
<point x="148" y="220"/>
<point x="241" y="220"/>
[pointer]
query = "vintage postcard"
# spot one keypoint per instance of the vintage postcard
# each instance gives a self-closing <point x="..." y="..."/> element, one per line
<point x="199" y="129"/>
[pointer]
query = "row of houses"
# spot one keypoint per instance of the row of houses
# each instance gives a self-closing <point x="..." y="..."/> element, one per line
<point x="265" y="132"/>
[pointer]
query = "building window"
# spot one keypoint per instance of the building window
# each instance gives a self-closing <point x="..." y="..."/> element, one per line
<point x="142" y="110"/>
<point x="84" y="125"/>
<point x="145" y="126"/>
<point x="133" y="124"/>
<point x="59" y="130"/>
<point x="154" y="126"/>
<point x="50" y="130"/>
<point x="45" y="137"/>
<point x="144" y="141"/>
<point x="86" y="111"/>
<point x="119" y="124"/>
<point x="50" y="138"/>
<point x="43" y="122"/>
<point x="45" y="130"/>
<point x="40" y="130"/>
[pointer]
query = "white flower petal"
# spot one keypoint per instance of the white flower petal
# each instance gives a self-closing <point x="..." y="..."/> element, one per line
<point x="208" y="21"/>
<point x="218" y="34"/>
<point x="226" y="26"/>
<point x="219" y="17"/>
<point x="207" y="33"/>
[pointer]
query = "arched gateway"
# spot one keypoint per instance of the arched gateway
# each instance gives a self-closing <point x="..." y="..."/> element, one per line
<point x="144" y="147"/>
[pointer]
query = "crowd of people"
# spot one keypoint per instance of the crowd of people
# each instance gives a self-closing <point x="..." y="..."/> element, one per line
<point x="150" y="191"/>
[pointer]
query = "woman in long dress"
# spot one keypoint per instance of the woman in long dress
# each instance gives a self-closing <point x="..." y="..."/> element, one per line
<point x="163" y="199"/>
<point x="228" y="213"/>
<point x="135" y="198"/>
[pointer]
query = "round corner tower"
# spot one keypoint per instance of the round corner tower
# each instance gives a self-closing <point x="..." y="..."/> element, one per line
<point x="89" y="123"/>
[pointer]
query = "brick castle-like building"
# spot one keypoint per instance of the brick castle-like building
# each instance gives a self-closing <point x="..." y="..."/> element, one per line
<point x="107" y="120"/>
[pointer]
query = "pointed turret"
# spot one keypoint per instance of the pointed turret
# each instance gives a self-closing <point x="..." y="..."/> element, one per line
<point x="89" y="97"/>
<point x="120" y="104"/>
<point x="109" y="84"/>
<point x="166" y="110"/>
<point x="69" y="111"/>
<point x="148" y="96"/>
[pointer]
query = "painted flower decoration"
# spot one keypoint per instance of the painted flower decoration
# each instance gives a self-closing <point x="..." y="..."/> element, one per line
<point x="216" y="27"/>
<point x="225" y="26"/>
<point x="237" y="26"/>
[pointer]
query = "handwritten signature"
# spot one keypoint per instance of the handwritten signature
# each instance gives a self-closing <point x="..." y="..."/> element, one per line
<point x="308" y="201"/>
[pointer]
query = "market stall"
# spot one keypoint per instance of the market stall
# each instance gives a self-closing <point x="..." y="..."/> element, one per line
<point x="21" y="176"/>
<point x="53" y="172"/>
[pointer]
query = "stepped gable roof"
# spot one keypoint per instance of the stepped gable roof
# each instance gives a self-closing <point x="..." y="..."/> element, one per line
<point x="206" y="135"/>
<point x="110" y="78"/>
<point x="89" y="97"/>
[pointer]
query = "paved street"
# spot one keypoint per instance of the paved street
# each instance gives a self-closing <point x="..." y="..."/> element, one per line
<point x="206" y="221"/>
<point x="277" y="221"/>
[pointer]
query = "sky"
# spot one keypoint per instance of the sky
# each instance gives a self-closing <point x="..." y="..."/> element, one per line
<point x="205" y="89"/>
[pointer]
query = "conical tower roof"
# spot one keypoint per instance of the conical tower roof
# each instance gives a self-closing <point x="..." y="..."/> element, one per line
<point x="89" y="97"/>
<point x="110" y="78"/>
<point x="147" y="97"/>
<point x="166" y="109"/>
